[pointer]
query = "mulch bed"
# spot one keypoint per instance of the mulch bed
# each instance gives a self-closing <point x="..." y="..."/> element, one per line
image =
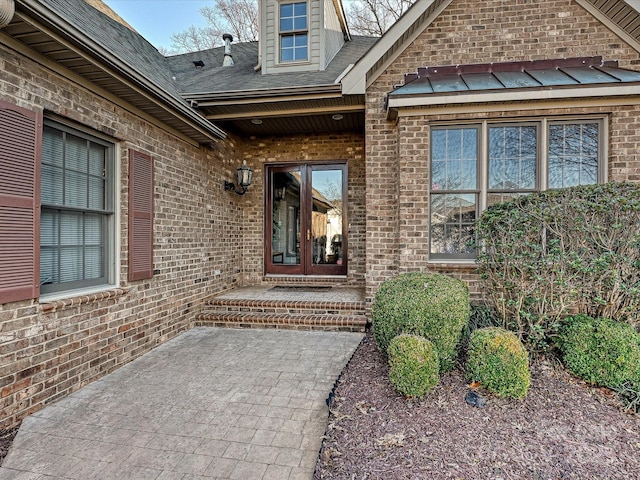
<point x="6" y="437"/>
<point x="563" y="429"/>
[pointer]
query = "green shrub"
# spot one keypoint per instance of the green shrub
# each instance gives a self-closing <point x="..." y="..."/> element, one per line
<point x="544" y="254"/>
<point x="432" y="306"/>
<point x="600" y="351"/>
<point x="498" y="360"/>
<point x="414" y="366"/>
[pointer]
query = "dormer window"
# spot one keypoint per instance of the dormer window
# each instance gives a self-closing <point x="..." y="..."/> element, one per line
<point x="294" y="35"/>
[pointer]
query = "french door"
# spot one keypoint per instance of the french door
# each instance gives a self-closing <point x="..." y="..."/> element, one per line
<point x="305" y="220"/>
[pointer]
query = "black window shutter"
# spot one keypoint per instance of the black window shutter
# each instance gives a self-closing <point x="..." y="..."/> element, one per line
<point x="140" y="216"/>
<point x="20" y="149"/>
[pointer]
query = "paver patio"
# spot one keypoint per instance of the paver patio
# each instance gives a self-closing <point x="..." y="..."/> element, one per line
<point x="211" y="403"/>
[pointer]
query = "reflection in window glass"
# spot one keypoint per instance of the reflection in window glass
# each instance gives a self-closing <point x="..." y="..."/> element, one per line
<point x="494" y="198"/>
<point x="454" y="156"/>
<point x="454" y="159"/>
<point x="452" y="218"/>
<point x="573" y="154"/>
<point x="326" y="217"/>
<point x="512" y="158"/>
<point x="461" y="186"/>
<point x="285" y="243"/>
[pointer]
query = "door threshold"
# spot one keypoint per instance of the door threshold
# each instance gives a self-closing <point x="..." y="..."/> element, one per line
<point x="330" y="280"/>
<point x="304" y="277"/>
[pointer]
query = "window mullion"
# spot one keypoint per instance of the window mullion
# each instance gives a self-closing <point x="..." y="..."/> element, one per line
<point x="64" y="168"/>
<point x="603" y="148"/>
<point x="87" y="190"/>
<point x="483" y="167"/>
<point x="543" y="168"/>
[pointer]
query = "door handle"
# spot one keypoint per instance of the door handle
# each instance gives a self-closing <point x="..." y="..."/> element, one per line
<point x="308" y="234"/>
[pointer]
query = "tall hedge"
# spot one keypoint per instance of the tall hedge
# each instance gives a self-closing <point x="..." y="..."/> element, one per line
<point x="575" y="249"/>
<point x="429" y="305"/>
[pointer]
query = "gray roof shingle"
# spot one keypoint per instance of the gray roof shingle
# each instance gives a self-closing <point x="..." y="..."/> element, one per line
<point x="214" y="78"/>
<point x="127" y="45"/>
<point x="177" y="74"/>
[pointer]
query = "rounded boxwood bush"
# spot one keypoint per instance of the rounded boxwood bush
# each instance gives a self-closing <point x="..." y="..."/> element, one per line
<point x="498" y="360"/>
<point x="599" y="350"/>
<point x="430" y="305"/>
<point x="413" y="365"/>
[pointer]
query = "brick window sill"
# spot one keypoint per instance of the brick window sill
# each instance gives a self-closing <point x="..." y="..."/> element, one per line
<point x="57" y="305"/>
<point x="456" y="266"/>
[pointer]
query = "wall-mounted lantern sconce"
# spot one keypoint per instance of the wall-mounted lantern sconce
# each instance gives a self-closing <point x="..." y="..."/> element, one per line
<point x="244" y="180"/>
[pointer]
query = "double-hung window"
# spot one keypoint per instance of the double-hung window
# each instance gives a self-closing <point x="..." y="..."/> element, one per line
<point x="478" y="165"/>
<point x="77" y="226"/>
<point x="294" y="37"/>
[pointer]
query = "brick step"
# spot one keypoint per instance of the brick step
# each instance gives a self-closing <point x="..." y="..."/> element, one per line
<point x="296" y="321"/>
<point x="286" y="307"/>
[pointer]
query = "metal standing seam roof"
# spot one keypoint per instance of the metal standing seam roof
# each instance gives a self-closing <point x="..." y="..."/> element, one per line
<point x="535" y="74"/>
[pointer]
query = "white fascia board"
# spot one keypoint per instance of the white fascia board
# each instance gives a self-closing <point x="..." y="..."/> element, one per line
<point x="613" y="90"/>
<point x="355" y="82"/>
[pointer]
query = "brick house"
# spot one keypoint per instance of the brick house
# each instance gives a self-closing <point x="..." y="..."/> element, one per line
<point x="369" y="157"/>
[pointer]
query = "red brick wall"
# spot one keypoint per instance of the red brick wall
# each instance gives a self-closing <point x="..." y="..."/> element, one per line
<point x="50" y="350"/>
<point x="472" y="32"/>
<point x="347" y="147"/>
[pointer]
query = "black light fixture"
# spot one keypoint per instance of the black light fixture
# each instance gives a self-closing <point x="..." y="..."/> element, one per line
<point x="244" y="180"/>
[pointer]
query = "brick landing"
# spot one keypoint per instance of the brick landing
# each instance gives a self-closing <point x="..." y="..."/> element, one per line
<point x="311" y="307"/>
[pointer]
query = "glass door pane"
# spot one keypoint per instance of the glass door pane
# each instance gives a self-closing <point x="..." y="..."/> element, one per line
<point x="285" y="216"/>
<point x="326" y="216"/>
<point x="305" y="221"/>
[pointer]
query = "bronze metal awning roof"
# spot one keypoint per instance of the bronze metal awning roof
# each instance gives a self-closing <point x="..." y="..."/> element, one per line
<point x="509" y="75"/>
<point x="508" y="81"/>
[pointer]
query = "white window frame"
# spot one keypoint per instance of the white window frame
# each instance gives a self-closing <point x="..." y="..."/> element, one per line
<point x="482" y="162"/>
<point x="293" y="33"/>
<point x="111" y="215"/>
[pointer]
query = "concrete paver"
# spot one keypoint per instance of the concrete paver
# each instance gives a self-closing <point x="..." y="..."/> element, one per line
<point x="211" y="403"/>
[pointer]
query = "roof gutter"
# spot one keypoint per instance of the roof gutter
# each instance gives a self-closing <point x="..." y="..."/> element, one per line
<point x="49" y="17"/>
<point x="267" y="94"/>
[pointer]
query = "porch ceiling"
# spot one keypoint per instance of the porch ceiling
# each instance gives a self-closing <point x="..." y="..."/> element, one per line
<point x="292" y="115"/>
<point x="296" y="124"/>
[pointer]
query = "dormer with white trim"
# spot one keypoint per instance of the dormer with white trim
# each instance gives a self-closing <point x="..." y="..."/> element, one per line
<point x="300" y="35"/>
